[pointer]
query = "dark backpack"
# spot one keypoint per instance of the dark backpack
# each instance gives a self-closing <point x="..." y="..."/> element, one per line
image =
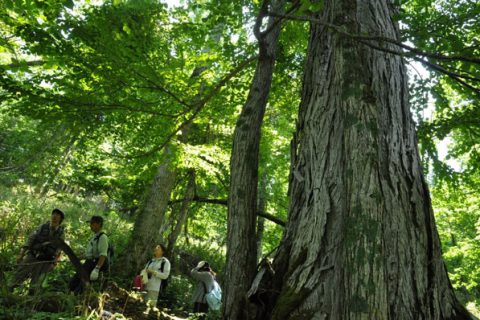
<point x="110" y="250"/>
<point x="164" y="282"/>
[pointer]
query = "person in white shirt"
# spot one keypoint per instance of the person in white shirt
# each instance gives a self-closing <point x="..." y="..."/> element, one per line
<point x="158" y="270"/>
<point x="96" y="255"/>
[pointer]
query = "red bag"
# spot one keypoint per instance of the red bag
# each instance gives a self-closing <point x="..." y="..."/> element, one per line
<point x="137" y="283"/>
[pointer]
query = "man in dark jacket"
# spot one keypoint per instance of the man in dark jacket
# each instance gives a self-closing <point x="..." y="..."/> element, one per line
<point x="39" y="255"/>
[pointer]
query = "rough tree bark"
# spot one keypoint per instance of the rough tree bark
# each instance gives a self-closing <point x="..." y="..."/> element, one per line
<point x="149" y="221"/>
<point x="361" y="241"/>
<point x="242" y="203"/>
<point x="182" y="215"/>
<point x="262" y="204"/>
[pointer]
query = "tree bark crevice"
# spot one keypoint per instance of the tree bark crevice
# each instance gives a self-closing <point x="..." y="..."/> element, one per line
<point x="360" y="241"/>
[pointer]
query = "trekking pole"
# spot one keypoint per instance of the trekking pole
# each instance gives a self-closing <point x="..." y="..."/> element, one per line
<point x="125" y="305"/>
<point x="37" y="262"/>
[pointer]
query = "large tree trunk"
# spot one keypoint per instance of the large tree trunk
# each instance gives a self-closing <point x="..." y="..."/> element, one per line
<point x="242" y="204"/>
<point x="182" y="215"/>
<point x="150" y="221"/>
<point x="361" y="241"/>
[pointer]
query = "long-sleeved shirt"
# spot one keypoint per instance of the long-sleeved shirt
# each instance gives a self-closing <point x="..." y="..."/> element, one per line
<point x="157" y="276"/>
<point x="204" y="281"/>
<point x="42" y="234"/>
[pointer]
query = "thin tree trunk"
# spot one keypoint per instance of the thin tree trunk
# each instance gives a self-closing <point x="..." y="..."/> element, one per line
<point x="185" y="232"/>
<point x="242" y="204"/>
<point x="361" y="241"/>
<point x="59" y="166"/>
<point x="262" y="204"/>
<point x="150" y="221"/>
<point x="182" y="215"/>
<point x="260" y="230"/>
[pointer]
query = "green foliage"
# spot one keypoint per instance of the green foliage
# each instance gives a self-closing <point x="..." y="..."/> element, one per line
<point x="121" y="87"/>
<point x="455" y="108"/>
<point x="91" y="95"/>
<point x="310" y="6"/>
<point x="22" y="211"/>
<point x="458" y="220"/>
<point x="208" y="252"/>
<point x="430" y="25"/>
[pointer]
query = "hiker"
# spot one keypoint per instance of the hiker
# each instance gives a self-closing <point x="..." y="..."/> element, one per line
<point x="205" y="278"/>
<point x="39" y="255"/>
<point x="157" y="270"/>
<point x="96" y="255"/>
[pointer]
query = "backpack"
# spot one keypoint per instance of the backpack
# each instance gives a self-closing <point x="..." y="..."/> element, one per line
<point x="164" y="282"/>
<point x="138" y="283"/>
<point x="110" y="250"/>
<point x="214" y="297"/>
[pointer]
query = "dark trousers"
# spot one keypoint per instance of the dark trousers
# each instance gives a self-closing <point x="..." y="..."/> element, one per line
<point x="33" y="268"/>
<point x="76" y="285"/>
<point x="200" y="308"/>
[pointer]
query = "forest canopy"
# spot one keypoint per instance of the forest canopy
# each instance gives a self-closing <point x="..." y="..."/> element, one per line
<point x="138" y="111"/>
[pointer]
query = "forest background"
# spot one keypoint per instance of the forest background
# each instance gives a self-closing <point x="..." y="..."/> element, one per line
<point x="127" y="109"/>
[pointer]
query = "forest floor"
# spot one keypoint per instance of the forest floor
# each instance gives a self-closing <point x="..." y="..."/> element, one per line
<point x="114" y="303"/>
<point x="120" y="302"/>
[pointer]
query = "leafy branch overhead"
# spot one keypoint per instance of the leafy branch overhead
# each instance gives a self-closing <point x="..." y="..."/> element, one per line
<point x="469" y="79"/>
<point x="233" y="131"/>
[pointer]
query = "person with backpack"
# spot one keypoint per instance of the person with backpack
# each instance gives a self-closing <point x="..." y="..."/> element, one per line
<point x="96" y="255"/>
<point x="205" y="283"/>
<point x="40" y="255"/>
<point x="157" y="270"/>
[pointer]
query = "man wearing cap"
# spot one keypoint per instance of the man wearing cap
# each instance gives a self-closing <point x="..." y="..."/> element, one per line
<point x="96" y="255"/>
<point x="39" y="255"/>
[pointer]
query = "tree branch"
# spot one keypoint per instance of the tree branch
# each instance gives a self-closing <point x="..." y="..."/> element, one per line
<point x="165" y="90"/>
<point x="22" y="64"/>
<point x="294" y="7"/>
<point x="411" y="52"/>
<point x="224" y="202"/>
<point x="455" y="76"/>
<point x="271" y="218"/>
<point x="113" y="107"/>
<point x="339" y="30"/>
<point x="199" y="106"/>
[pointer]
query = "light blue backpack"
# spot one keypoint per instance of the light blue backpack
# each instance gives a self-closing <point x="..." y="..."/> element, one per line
<point x="214" y="297"/>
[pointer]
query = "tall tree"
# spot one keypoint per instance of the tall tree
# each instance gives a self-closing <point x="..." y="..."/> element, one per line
<point x="183" y="213"/>
<point x="242" y="203"/>
<point x="148" y="224"/>
<point x="360" y="241"/>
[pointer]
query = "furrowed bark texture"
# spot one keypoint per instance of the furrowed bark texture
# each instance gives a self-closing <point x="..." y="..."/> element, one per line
<point x="242" y="203"/>
<point x="361" y="241"/>
<point x="147" y="230"/>
<point x="262" y="204"/>
<point x="183" y="214"/>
